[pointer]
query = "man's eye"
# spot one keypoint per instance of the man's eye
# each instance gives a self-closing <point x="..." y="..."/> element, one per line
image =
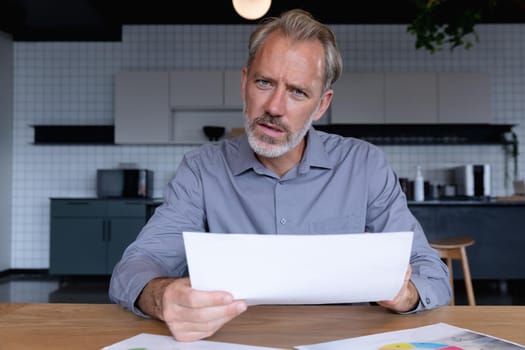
<point x="299" y="93"/>
<point x="263" y="83"/>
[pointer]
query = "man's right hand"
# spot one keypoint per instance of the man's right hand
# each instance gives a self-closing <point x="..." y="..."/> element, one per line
<point x="189" y="314"/>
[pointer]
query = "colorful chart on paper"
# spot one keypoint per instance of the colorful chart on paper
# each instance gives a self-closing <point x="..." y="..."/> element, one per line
<point x="438" y="336"/>
<point x="419" y="346"/>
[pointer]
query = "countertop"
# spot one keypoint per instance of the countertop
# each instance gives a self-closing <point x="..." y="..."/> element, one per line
<point x="510" y="200"/>
<point x="493" y="201"/>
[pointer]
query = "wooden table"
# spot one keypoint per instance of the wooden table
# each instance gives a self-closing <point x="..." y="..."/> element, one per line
<point x="93" y="326"/>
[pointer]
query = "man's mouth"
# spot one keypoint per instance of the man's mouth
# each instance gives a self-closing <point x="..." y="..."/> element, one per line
<point x="271" y="129"/>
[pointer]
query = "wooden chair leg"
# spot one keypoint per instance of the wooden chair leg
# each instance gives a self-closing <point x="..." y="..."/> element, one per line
<point x="466" y="276"/>
<point x="451" y="276"/>
<point x="454" y="248"/>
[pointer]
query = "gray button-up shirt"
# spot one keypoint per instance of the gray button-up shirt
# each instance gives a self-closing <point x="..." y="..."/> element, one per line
<point x="342" y="185"/>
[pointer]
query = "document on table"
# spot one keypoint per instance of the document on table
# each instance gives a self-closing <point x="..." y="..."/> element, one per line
<point x="146" y="341"/>
<point x="300" y="269"/>
<point x="438" y="336"/>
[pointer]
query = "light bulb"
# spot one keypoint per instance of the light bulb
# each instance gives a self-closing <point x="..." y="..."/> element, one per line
<point x="251" y="9"/>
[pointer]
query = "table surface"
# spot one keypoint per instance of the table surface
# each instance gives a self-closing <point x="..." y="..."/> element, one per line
<point x="94" y="326"/>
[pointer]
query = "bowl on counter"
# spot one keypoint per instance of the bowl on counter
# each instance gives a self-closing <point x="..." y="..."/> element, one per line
<point x="213" y="133"/>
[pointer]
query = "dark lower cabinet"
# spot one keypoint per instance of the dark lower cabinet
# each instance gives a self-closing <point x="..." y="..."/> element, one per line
<point x="89" y="236"/>
<point x="498" y="229"/>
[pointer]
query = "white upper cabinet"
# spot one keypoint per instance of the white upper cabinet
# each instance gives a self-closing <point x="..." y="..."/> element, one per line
<point x="464" y="98"/>
<point x="232" y="89"/>
<point x="410" y="98"/>
<point x="196" y="89"/>
<point x="358" y="98"/>
<point x="172" y="107"/>
<point x="142" y="110"/>
<point x="214" y="89"/>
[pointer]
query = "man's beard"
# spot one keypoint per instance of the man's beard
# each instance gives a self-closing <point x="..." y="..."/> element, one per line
<point x="270" y="147"/>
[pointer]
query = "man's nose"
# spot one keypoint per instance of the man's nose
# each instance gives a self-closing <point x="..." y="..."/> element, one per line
<point x="276" y="104"/>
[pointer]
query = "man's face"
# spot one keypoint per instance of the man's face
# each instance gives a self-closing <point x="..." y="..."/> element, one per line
<point x="282" y="94"/>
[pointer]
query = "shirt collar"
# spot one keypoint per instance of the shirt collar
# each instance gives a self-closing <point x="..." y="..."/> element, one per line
<point x="315" y="155"/>
<point x="245" y="158"/>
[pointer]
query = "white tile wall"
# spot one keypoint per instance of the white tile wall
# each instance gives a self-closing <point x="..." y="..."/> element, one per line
<point x="72" y="83"/>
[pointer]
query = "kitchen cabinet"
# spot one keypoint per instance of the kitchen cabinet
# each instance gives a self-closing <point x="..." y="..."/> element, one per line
<point x="495" y="226"/>
<point x="88" y="236"/>
<point x="232" y="89"/>
<point x="410" y="98"/>
<point x="198" y="90"/>
<point x="359" y="98"/>
<point x="172" y="107"/>
<point x="200" y="98"/>
<point x="142" y="111"/>
<point x="464" y="98"/>
<point x="378" y="98"/>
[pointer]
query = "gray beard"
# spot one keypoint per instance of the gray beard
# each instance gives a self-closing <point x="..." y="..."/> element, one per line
<point x="267" y="146"/>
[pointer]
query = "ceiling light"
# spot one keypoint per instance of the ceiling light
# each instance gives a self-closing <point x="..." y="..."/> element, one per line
<point x="251" y="9"/>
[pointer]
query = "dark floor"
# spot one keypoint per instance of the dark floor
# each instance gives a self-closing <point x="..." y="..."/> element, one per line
<point x="41" y="288"/>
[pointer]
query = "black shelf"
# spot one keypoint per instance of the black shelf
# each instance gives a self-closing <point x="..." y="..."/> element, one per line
<point x="74" y="134"/>
<point x="379" y="134"/>
<point x="424" y="134"/>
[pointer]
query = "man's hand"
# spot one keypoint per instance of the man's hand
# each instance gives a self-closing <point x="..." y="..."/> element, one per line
<point x="407" y="298"/>
<point x="189" y="314"/>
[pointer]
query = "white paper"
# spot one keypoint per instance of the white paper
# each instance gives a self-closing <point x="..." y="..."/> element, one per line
<point x="300" y="269"/>
<point x="438" y="336"/>
<point x="146" y="341"/>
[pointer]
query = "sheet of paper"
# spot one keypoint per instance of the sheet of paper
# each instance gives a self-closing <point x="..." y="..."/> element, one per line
<point x="146" y="341"/>
<point x="438" y="336"/>
<point x="300" y="269"/>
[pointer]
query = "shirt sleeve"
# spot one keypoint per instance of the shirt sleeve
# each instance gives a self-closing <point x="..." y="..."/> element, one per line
<point x="147" y="257"/>
<point x="387" y="211"/>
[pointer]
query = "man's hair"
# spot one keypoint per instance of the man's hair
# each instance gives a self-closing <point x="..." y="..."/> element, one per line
<point x="301" y="26"/>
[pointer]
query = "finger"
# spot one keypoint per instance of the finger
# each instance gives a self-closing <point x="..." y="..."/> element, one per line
<point x="210" y="313"/>
<point x="191" y="324"/>
<point x="183" y="294"/>
<point x="393" y="302"/>
<point x="199" y="299"/>
<point x="409" y="272"/>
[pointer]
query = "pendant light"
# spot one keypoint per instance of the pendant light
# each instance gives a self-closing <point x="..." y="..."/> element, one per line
<point x="251" y="9"/>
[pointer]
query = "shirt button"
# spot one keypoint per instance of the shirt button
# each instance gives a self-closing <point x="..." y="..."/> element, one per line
<point x="283" y="221"/>
<point x="427" y="300"/>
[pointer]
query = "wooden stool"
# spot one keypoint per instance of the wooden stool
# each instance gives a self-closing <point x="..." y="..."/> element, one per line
<point x="454" y="248"/>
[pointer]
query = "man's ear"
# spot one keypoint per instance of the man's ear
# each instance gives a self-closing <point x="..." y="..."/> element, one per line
<point x="326" y="99"/>
<point x="244" y="77"/>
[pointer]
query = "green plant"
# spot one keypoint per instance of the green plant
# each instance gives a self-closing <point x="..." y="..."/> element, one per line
<point x="451" y="23"/>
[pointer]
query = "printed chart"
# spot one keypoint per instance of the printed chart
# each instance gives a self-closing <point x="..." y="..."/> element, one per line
<point x="419" y="346"/>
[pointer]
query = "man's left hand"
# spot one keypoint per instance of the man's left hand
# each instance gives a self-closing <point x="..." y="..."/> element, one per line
<point x="407" y="298"/>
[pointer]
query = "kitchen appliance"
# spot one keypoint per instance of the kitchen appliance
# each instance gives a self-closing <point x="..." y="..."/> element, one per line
<point x="473" y="180"/>
<point x="519" y="187"/>
<point x="124" y="183"/>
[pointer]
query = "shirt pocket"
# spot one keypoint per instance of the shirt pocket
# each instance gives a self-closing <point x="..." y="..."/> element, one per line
<point x="345" y="224"/>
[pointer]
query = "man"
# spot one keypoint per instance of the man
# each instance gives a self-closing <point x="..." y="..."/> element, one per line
<point x="283" y="177"/>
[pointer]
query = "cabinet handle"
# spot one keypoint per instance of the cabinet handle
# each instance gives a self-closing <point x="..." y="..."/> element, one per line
<point x="104" y="230"/>
<point x="109" y="230"/>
